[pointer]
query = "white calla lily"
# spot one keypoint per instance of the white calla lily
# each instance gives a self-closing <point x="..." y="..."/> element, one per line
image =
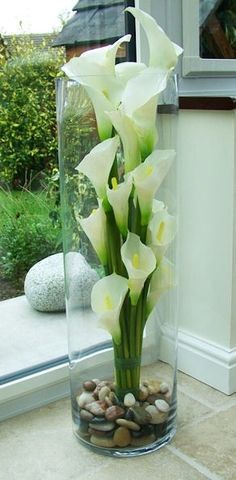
<point x="95" y="70"/>
<point x="98" y="163"/>
<point x="139" y="261"/>
<point x="107" y="298"/>
<point x="148" y="177"/>
<point x="127" y="70"/>
<point x="161" y="231"/>
<point x="118" y="197"/>
<point x="157" y="205"/>
<point x="101" y="104"/>
<point x="95" y="228"/>
<point x="125" y="128"/>
<point x="162" y="280"/>
<point x="163" y="53"/>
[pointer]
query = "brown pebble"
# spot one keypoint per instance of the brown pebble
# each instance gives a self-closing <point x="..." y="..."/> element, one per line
<point x="89" y="386"/>
<point x="122" y="437"/>
<point x="104" y="392"/>
<point x="105" y="442"/>
<point x="141" y="441"/>
<point x="114" y="412"/>
<point x="128" y="424"/>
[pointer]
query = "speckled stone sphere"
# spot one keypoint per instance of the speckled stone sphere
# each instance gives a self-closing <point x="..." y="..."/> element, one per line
<point x="44" y="283"/>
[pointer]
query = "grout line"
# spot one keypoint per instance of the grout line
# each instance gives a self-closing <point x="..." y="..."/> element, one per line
<point x="197" y="466"/>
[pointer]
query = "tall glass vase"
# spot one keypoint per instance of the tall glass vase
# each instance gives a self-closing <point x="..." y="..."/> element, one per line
<point x="120" y="273"/>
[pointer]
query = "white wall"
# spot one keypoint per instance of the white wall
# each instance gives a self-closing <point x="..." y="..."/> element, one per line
<point x="206" y="172"/>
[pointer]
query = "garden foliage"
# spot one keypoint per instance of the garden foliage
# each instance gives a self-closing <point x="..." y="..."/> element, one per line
<point x="27" y="110"/>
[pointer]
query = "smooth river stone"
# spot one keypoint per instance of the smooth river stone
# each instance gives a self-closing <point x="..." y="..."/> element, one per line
<point x="45" y="287"/>
<point x="114" y="412"/>
<point x="105" y="442"/>
<point x="128" y="424"/>
<point x="122" y="437"/>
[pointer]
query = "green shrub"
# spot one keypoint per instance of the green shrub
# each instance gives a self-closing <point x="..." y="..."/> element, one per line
<point x="27" y="111"/>
<point x="27" y="232"/>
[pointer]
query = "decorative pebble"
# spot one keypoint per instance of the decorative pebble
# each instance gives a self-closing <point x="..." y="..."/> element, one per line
<point x="162" y="405"/>
<point x="164" y="387"/>
<point x="143" y="393"/>
<point x="103" y="393"/>
<point x="97" y="408"/>
<point x="114" y="412"/>
<point x="129" y="400"/>
<point x="103" y="427"/>
<point x="128" y="424"/>
<point x="141" y="415"/>
<point x="105" y="442"/>
<point x="85" y="415"/>
<point x="84" y="399"/>
<point x="122" y="437"/>
<point x="89" y="386"/>
<point x="157" y="417"/>
<point x="113" y="398"/>
<point x="145" y="440"/>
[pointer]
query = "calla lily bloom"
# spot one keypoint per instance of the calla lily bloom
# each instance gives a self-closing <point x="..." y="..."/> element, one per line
<point x="125" y="128"/>
<point x="157" y="205"/>
<point x="118" y="197"/>
<point x="140" y="104"/>
<point x="106" y="301"/>
<point x="163" y="53"/>
<point x="139" y="261"/>
<point x="148" y="177"/>
<point x="98" y="163"/>
<point x="162" y="279"/>
<point x="95" y="70"/>
<point x="94" y="227"/>
<point x="161" y="231"/>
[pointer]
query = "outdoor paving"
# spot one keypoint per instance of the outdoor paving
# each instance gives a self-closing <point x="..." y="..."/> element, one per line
<point x="40" y="445"/>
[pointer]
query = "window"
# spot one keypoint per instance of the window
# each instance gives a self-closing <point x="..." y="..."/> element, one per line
<point x="33" y="344"/>
<point x="209" y="38"/>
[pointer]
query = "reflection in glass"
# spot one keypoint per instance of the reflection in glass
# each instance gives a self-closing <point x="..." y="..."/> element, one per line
<point x="217" y="28"/>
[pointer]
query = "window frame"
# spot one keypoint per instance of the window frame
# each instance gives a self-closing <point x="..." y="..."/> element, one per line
<point x="193" y="65"/>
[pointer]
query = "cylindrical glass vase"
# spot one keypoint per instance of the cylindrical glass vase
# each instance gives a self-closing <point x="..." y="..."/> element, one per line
<point x="118" y="198"/>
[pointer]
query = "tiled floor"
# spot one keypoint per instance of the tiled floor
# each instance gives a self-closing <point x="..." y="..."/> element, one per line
<point x="39" y="445"/>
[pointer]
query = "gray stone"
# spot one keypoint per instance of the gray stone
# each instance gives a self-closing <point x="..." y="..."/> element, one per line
<point x="44" y="282"/>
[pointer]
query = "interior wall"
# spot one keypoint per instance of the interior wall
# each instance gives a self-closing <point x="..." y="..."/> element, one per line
<point x="206" y="155"/>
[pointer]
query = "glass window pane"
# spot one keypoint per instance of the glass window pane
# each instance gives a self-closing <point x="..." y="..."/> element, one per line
<point x="217" y="28"/>
<point x="30" y="231"/>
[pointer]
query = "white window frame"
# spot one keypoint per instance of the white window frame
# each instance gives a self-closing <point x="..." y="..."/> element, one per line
<point x="193" y="64"/>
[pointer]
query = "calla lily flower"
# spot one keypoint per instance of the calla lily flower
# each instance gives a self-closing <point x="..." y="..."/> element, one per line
<point x="148" y="177"/>
<point x="139" y="261"/>
<point x="94" y="227"/>
<point x="157" y="205"/>
<point x="98" y="163"/>
<point x="118" y="197"/>
<point x="161" y="231"/>
<point x="95" y="70"/>
<point x="162" y="279"/>
<point x="125" y="128"/>
<point x="140" y="104"/>
<point x="106" y="301"/>
<point x="163" y="53"/>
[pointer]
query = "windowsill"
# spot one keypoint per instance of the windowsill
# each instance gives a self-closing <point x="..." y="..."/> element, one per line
<point x="29" y="338"/>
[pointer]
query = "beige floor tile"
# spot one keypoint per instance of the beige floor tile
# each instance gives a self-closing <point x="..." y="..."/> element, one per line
<point x="204" y="393"/>
<point x="190" y="411"/>
<point x="40" y="445"/>
<point x="212" y="442"/>
<point x="161" y="465"/>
